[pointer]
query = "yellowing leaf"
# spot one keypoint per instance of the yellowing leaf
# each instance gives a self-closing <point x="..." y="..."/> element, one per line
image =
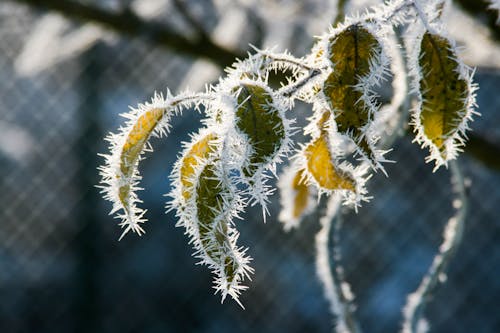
<point x="262" y="123"/>
<point x="301" y="191"/>
<point x="200" y="150"/>
<point x="134" y="145"/>
<point x="351" y="52"/>
<point x="444" y="92"/>
<point x="321" y="166"/>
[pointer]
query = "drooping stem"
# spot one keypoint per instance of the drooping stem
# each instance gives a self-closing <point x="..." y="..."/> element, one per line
<point x="452" y="237"/>
<point x="282" y="62"/>
<point x="402" y="98"/>
<point x="336" y="289"/>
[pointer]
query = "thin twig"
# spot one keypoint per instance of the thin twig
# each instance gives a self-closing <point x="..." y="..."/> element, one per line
<point x="293" y="88"/>
<point x="453" y="232"/>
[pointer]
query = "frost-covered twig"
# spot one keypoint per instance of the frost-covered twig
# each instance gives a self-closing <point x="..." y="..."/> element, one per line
<point x="414" y="321"/>
<point x="293" y="88"/>
<point x="336" y="290"/>
<point x="246" y="133"/>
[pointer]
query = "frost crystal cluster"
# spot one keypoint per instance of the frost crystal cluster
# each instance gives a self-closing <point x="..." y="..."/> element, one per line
<point x="249" y="128"/>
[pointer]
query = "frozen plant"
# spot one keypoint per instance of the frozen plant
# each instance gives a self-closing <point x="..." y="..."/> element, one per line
<point x="248" y="129"/>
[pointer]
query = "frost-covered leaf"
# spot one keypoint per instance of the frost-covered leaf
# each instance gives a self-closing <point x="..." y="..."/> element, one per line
<point x="134" y="145"/>
<point x="353" y="53"/>
<point x="446" y="98"/>
<point x="198" y="151"/>
<point x="216" y="238"/>
<point x="206" y="201"/>
<point x="323" y="160"/>
<point x="210" y="196"/>
<point x="262" y="123"/>
<point x="321" y="166"/>
<point x="297" y="197"/>
<point x="120" y="175"/>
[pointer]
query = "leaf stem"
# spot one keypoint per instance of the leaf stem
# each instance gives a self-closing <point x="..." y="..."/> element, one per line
<point x="336" y="289"/>
<point x="452" y="237"/>
<point x="282" y="58"/>
<point x="294" y="87"/>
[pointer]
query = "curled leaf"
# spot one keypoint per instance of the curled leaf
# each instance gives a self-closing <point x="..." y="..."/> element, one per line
<point x="216" y="239"/>
<point x="120" y="175"/>
<point x="198" y="151"/>
<point x="133" y="147"/>
<point x="320" y="165"/>
<point x="445" y="98"/>
<point x="210" y="196"/>
<point x="261" y="122"/>
<point x="206" y="201"/>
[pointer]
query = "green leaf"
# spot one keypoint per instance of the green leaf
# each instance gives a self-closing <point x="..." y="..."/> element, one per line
<point x="213" y="226"/>
<point x="261" y="122"/>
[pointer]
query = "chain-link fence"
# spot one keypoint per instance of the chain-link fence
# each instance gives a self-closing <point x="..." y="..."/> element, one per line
<point x="63" y="270"/>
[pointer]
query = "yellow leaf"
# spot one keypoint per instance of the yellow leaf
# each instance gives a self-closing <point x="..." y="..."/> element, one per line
<point x="321" y="166"/>
<point x="134" y="145"/>
<point x="301" y="191"/>
<point x="200" y="150"/>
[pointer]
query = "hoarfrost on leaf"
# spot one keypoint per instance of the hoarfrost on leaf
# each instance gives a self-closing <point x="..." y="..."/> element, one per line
<point x="249" y="128"/>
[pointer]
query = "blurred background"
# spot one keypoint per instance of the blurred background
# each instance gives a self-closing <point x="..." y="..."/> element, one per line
<point x="64" y="82"/>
